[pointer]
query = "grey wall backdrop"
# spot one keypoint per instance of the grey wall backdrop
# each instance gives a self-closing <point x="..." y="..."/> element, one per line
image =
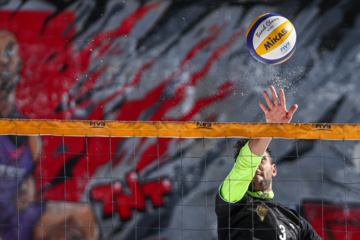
<point x="184" y="61"/>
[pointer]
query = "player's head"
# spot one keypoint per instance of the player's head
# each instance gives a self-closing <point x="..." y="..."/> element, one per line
<point x="10" y="61"/>
<point x="262" y="180"/>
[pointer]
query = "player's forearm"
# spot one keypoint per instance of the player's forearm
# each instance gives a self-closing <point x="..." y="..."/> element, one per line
<point x="237" y="182"/>
<point x="258" y="146"/>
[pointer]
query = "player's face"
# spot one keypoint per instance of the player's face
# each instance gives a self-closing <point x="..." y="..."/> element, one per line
<point x="10" y="63"/>
<point x="263" y="176"/>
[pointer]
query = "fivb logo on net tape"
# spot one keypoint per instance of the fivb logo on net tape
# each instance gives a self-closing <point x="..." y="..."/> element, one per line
<point x="271" y="38"/>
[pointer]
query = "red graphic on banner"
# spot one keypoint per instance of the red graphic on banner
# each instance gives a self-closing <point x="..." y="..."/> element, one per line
<point x="48" y="70"/>
<point x="67" y="163"/>
<point x="132" y="110"/>
<point x="115" y="200"/>
<point x="333" y="221"/>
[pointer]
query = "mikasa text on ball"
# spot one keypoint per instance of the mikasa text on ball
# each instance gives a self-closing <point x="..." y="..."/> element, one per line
<point x="271" y="38"/>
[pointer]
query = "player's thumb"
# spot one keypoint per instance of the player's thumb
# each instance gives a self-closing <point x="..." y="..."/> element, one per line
<point x="292" y="110"/>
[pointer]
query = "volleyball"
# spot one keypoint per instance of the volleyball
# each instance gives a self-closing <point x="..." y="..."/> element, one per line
<point x="271" y="38"/>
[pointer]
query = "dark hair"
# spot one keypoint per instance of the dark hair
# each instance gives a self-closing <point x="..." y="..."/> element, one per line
<point x="240" y="144"/>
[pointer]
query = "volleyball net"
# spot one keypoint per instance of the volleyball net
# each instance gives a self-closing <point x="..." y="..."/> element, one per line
<point x="158" y="180"/>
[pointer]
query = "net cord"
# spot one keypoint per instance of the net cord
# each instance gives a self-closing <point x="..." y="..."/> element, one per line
<point x="179" y="129"/>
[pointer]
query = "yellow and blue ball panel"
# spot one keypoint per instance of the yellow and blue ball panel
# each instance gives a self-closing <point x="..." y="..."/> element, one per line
<point x="271" y="38"/>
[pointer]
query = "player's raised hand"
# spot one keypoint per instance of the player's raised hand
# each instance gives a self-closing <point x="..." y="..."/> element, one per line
<point x="276" y="111"/>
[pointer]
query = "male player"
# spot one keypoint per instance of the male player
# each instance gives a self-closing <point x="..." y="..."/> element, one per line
<point x="244" y="205"/>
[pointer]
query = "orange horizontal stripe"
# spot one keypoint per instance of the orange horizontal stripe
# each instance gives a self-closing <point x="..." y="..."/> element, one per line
<point x="179" y="129"/>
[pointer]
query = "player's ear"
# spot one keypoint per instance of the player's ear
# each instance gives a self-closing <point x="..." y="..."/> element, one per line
<point x="274" y="170"/>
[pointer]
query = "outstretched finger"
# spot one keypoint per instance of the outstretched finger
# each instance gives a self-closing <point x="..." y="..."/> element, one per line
<point x="282" y="98"/>
<point x="274" y="95"/>
<point x="268" y="100"/>
<point x="263" y="107"/>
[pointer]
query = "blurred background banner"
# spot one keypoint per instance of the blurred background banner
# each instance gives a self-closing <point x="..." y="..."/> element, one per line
<point x="177" y="60"/>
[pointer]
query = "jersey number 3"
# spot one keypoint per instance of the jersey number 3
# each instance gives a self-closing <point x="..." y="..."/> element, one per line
<point x="283" y="232"/>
